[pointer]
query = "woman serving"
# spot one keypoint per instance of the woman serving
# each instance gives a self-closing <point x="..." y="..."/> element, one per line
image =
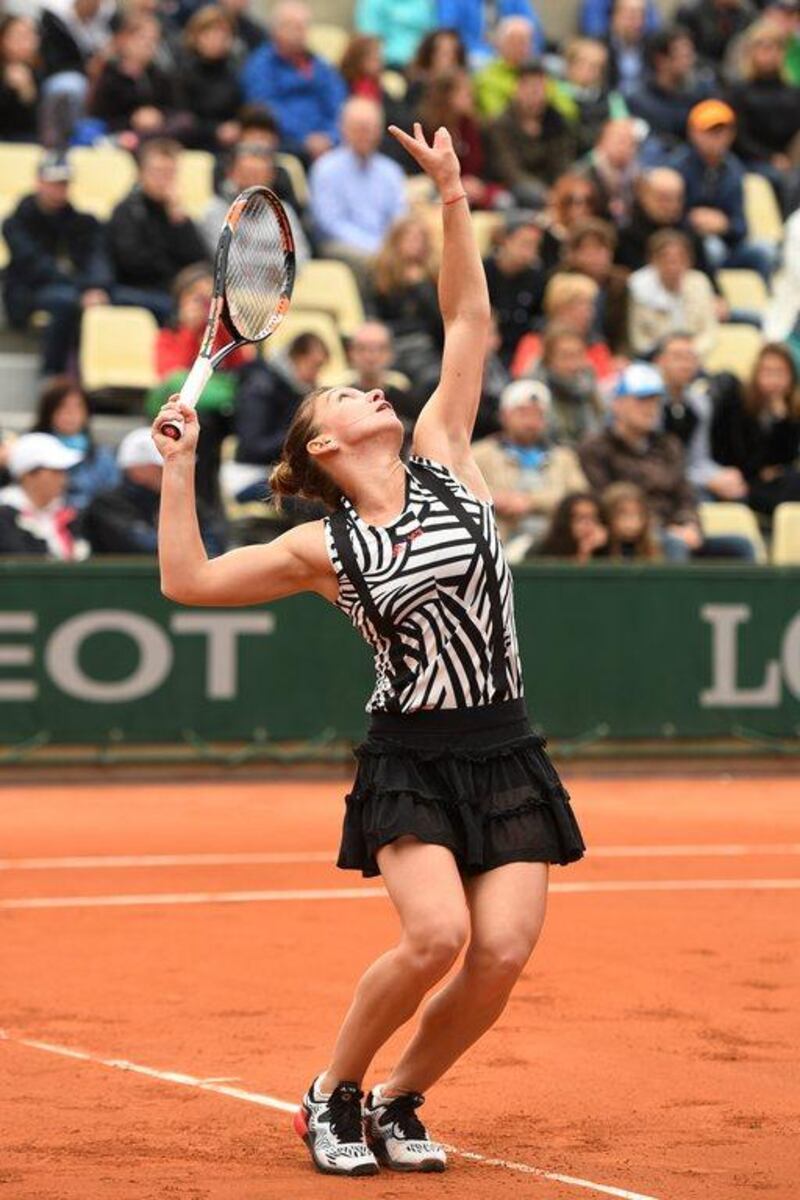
<point x="455" y="802"/>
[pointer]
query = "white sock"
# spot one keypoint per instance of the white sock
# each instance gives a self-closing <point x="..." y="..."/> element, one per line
<point x="378" y="1096"/>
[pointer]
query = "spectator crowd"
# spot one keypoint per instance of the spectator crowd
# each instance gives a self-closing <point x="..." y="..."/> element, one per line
<point x="607" y="177"/>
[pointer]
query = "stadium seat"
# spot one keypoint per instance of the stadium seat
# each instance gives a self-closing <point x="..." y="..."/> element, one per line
<point x="103" y="175"/>
<point x="394" y="84"/>
<point x="18" y="162"/>
<point x="724" y="518"/>
<point x="735" y="350"/>
<point x="786" y="535"/>
<point x="761" y="209"/>
<point x="486" y="225"/>
<point x="196" y="180"/>
<point x="744" y="290"/>
<point x="323" y="325"/>
<point x="5" y="208"/>
<point x="297" y="173"/>
<point x="117" y="348"/>
<point x="328" y="41"/>
<point x="329" y="285"/>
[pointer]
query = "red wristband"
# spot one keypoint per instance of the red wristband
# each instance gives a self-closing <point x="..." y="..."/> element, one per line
<point x="455" y="199"/>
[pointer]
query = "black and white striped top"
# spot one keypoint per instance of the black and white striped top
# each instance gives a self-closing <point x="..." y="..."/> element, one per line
<point x="432" y="594"/>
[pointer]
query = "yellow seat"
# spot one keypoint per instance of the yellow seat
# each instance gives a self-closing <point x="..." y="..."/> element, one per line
<point x="329" y="285"/>
<point x="102" y="176"/>
<point x="486" y="225"/>
<point x="730" y="519"/>
<point x="18" y="162"/>
<point x="786" y="535"/>
<point x="323" y="325"/>
<point x="735" y="350"/>
<point x="761" y="209"/>
<point x="394" y="84"/>
<point x="328" y="41"/>
<point x="118" y="348"/>
<point x="297" y="173"/>
<point x="195" y="180"/>
<point x="744" y="289"/>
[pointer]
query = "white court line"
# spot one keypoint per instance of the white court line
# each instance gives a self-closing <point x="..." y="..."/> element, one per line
<point x="210" y="1085"/>
<point x="136" y="900"/>
<point x="265" y="858"/>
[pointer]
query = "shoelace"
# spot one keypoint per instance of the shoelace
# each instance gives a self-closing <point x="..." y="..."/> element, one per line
<point x="402" y="1112"/>
<point x="344" y="1108"/>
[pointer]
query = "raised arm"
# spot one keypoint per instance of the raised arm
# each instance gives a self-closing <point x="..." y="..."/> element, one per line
<point x="295" y="562"/>
<point x="444" y="427"/>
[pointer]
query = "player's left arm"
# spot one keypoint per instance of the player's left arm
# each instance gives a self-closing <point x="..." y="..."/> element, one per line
<point x="444" y="427"/>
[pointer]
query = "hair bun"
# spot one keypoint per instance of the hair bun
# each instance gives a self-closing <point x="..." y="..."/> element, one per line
<point x="283" y="481"/>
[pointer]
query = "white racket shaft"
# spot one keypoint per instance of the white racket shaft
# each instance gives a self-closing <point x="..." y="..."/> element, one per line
<point x="190" y="393"/>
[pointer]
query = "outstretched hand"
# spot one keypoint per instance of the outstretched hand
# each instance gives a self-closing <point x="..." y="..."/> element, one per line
<point x="438" y="160"/>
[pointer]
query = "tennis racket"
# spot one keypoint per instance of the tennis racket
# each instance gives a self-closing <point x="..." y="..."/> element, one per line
<point x="253" y="279"/>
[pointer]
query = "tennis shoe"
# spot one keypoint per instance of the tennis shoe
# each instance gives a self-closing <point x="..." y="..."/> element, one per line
<point x="398" y="1137"/>
<point x="333" y="1129"/>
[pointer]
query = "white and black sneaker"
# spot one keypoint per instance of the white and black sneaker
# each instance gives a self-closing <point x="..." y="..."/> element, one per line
<point x="333" y="1129"/>
<point x="398" y="1137"/>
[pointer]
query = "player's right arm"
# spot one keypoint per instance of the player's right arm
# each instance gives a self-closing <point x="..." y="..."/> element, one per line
<point x="295" y="562"/>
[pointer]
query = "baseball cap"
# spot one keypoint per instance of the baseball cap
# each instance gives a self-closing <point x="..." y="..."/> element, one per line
<point x="137" y="449"/>
<point x="33" y="451"/>
<point x="54" y="168"/>
<point x="709" y="113"/>
<point x="525" y="391"/>
<point x="640" y="380"/>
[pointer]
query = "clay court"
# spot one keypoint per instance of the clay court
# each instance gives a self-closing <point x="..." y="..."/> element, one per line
<point x="176" y="958"/>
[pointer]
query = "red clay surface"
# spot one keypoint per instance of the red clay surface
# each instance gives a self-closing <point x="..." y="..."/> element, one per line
<point x="651" y="1046"/>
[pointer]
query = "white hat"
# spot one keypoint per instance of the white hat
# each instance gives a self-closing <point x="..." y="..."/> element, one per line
<point x="526" y="391"/>
<point x="137" y="449"/>
<point x="35" y="450"/>
<point x="641" y="380"/>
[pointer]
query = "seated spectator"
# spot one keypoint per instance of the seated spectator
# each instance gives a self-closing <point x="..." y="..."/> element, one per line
<point x="441" y="52"/>
<point x="671" y="88"/>
<point x="613" y="167"/>
<point x="583" y="96"/>
<point x="577" y="530"/>
<point x="361" y="67"/>
<point x="631" y="533"/>
<point x="19" y="79"/>
<point x="496" y="378"/>
<point x="669" y="295"/>
<point x="356" y="192"/>
<point x="64" y="412"/>
<point x="302" y="88"/>
<point x="258" y="132"/>
<point x="689" y="405"/>
<point x="404" y="296"/>
<point x="496" y="83"/>
<point x="125" y="519"/>
<point x="633" y="449"/>
<point x="530" y="145"/>
<point x="626" y="45"/>
<point x="714" y="189"/>
<point x="658" y="204"/>
<point x="767" y="108"/>
<point x="516" y="279"/>
<point x="448" y="101"/>
<point x="208" y="80"/>
<point x="400" y="27"/>
<point x="565" y="368"/>
<point x="248" y="32"/>
<point x="714" y="25"/>
<point x="370" y="353"/>
<point x="57" y="263"/>
<point x="757" y="430"/>
<point x="75" y="40"/>
<point x="570" y="302"/>
<point x="150" y="236"/>
<point x="132" y="94"/>
<point x="35" y="516"/>
<point x="249" y="166"/>
<point x="590" y="252"/>
<point x="573" y="198"/>
<point x="595" y="17"/>
<point x="782" y="318"/>
<point x="479" y="24"/>
<point x="526" y="475"/>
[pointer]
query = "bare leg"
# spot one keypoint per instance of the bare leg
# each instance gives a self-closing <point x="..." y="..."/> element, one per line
<point x="507" y="907"/>
<point x="426" y="889"/>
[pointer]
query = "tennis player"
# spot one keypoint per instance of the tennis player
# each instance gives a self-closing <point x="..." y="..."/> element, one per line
<point x="455" y="802"/>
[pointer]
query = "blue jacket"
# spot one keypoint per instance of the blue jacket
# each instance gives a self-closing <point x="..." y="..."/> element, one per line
<point x="467" y="17"/>
<point x="303" y="103"/>
<point x="667" y="112"/>
<point x="714" y="187"/>
<point x="98" y="472"/>
<point x="596" y="18"/>
<point x="400" y="24"/>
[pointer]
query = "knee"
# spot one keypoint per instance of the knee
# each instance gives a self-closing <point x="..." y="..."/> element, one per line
<point x="497" y="965"/>
<point x="430" y="951"/>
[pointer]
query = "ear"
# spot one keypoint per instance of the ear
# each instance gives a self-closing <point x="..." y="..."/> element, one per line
<point x="320" y="445"/>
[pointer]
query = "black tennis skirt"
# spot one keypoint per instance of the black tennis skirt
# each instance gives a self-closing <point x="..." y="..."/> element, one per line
<point x="477" y="781"/>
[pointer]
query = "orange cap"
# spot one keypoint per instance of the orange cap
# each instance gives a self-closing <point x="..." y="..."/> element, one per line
<point x="709" y="113"/>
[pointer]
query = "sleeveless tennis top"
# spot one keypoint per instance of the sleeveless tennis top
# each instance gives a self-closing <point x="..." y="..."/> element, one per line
<point x="432" y="594"/>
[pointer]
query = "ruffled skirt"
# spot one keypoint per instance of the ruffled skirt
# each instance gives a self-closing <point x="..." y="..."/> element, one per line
<point x="477" y="781"/>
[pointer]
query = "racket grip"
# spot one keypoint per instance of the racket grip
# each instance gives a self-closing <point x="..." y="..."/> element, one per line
<point x="195" y="381"/>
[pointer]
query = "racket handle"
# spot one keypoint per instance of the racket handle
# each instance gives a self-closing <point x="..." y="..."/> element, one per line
<point x="191" y="392"/>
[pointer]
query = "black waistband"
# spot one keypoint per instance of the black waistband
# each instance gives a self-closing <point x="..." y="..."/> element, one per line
<point x="449" y="720"/>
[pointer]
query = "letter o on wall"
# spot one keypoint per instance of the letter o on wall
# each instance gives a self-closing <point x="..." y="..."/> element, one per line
<point x="63" y="654"/>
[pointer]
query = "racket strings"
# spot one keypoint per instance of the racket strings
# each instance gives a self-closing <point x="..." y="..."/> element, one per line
<point x="256" y="277"/>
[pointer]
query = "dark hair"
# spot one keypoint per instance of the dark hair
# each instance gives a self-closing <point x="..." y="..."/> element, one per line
<point x="297" y="473"/>
<point x="676" y="335"/>
<point x="423" y="59"/>
<point x="559" y="541"/>
<point x="435" y="106"/>
<point x="256" y="116"/>
<point x="668" y="237"/>
<point x="51" y="397"/>
<point x="304" y="343"/>
<point x="592" y="227"/>
<point x="351" y="68"/>
<point x="660" y="43"/>
<point x="753" y="400"/>
<point x="614" y="496"/>
<point x="158" y="145"/>
<point x="533" y="67"/>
